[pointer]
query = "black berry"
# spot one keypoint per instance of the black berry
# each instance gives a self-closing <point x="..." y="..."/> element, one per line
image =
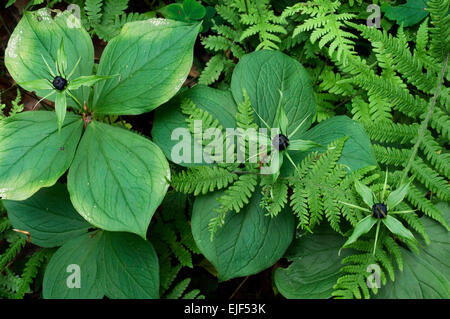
<point x="59" y="83"/>
<point x="379" y="210"/>
<point x="280" y="142"/>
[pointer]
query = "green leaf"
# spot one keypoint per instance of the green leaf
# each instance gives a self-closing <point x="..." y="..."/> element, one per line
<point x="62" y="269"/>
<point x="365" y="193"/>
<point x="363" y="227"/>
<point x="129" y="267"/>
<point x="10" y="3"/>
<point x="194" y="10"/>
<point x="61" y="59"/>
<point x="153" y="58"/>
<point x="117" y="179"/>
<point x="41" y="84"/>
<point x="189" y="11"/>
<point x="264" y="74"/>
<point x="218" y="103"/>
<point x="397" y="196"/>
<point x="48" y="216"/>
<point x="60" y="108"/>
<point x="282" y="120"/>
<point x="116" y="265"/>
<point x="425" y="275"/>
<point x="302" y="145"/>
<point x="38" y="36"/>
<point x="315" y="266"/>
<point x="88" y="80"/>
<point x="357" y="152"/>
<point x="397" y="228"/>
<point x="33" y="154"/>
<point x="408" y="14"/>
<point x="247" y="243"/>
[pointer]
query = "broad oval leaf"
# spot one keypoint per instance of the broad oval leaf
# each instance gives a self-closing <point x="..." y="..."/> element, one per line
<point x="48" y="216"/>
<point x="152" y="58"/>
<point x="264" y="74"/>
<point x="247" y="243"/>
<point x="129" y="267"/>
<point x="169" y="118"/>
<point x="116" y="265"/>
<point x="37" y="37"/>
<point x="73" y="271"/>
<point x="32" y="152"/>
<point x="117" y="179"/>
<point x="315" y="266"/>
<point x="357" y="152"/>
<point x="407" y="14"/>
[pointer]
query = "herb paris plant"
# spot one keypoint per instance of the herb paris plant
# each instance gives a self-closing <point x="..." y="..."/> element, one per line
<point x="116" y="178"/>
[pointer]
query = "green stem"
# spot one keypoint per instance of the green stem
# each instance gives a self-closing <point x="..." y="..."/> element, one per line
<point x="424" y="124"/>
<point x="376" y="237"/>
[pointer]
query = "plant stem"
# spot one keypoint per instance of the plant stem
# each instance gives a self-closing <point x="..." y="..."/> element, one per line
<point x="376" y="237"/>
<point x="424" y="124"/>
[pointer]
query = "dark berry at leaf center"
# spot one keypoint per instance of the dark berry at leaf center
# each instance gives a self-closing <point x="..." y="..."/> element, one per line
<point x="59" y="83"/>
<point x="379" y="210"/>
<point x="280" y="142"/>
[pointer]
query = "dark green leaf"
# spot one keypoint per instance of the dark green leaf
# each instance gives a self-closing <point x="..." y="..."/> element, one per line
<point x="218" y="103"/>
<point x="48" y="216"/>
<point x="408" y="14"/>
<point x="357" y="152"/>
<point x="118" y="265"/>
<point x="315" y="265"/>
<point x="426" y="275"/>
<point x="247" y="243"/>
<point x="264" y="74"/>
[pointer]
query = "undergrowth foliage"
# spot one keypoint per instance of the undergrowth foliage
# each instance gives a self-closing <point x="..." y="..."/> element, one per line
<point x="17" y="281"/>
<point x="392" y="80"/>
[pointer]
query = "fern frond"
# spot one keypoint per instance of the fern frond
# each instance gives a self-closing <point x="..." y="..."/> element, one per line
<point x="440" y="20"/>
<point x="212" y="71"/>
<point x="244" y="115"/>
<point x="93" y="10"/>
<point x="30" y="271"/>
<point x="196" y="114"/>
<point x="431" y="179"/>
<point x="12" y="251"/>
<point x="275" y="196"/>
<point x="389" y="132"/>
<point x="235" y="197"/>
<point x="202" y="179"/>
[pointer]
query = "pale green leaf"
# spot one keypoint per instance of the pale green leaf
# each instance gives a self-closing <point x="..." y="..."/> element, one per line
<point x="363" y="227"/>
<point x="397" y="196"/>
<point x="60" y="108"/>
<point x="153" y="58"/>
<point x="35" y="42"/>
<point x="32" y="152"/>
<point x="87" y="80"/>
<point x="365" y="193"/>
<point x="397" y="228"/>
